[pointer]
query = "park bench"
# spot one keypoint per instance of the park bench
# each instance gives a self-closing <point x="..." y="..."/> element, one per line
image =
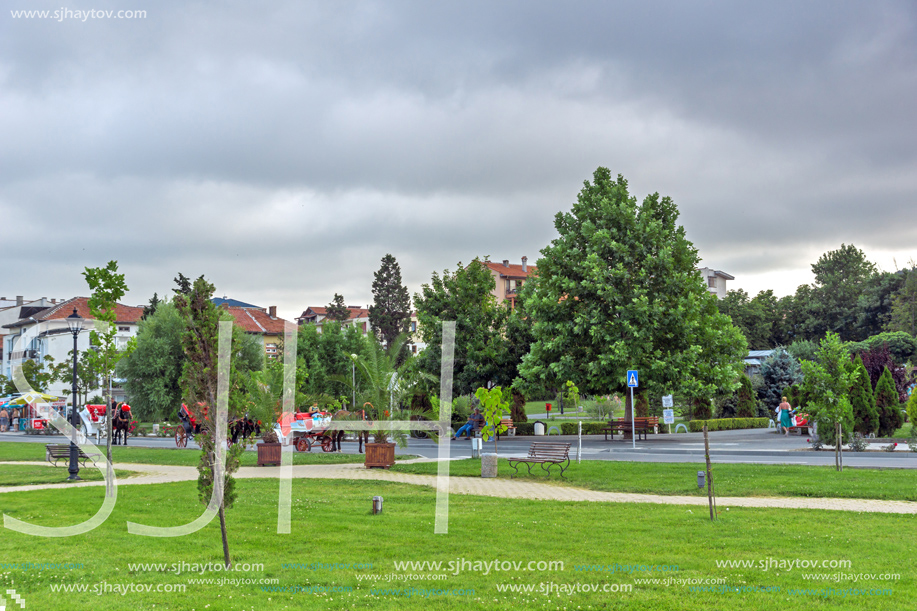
<point x="543" y="453"/>
<point x="61" y="451"/>
<point x="507" y="422"/>
<point x="641" y="426"/>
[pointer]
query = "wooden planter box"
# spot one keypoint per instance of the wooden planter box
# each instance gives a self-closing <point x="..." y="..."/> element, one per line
<point x="380" y="455"/>
<point x="269" y="454"/>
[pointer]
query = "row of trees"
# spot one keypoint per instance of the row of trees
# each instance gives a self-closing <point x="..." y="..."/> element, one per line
<point x="849" y="296"/>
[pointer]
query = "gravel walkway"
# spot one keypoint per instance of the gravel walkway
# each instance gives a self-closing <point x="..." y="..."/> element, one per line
<point x="503" y="488"/>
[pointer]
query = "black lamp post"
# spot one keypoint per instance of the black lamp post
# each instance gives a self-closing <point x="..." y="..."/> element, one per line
<point x="76" y="325"/>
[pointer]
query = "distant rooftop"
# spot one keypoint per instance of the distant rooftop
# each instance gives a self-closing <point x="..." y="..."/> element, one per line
<point x="233" y="303"/>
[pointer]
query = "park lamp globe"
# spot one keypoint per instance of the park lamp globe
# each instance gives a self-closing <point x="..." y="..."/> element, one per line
<point x="75" y="323"/>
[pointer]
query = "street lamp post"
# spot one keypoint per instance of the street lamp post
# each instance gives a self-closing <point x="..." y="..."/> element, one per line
<point x="75" y="322"/>
<point x="353" y="379"/>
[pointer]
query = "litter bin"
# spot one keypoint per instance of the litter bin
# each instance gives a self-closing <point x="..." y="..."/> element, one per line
<point x="476" y="447"/>
<point x="539" y="427"/>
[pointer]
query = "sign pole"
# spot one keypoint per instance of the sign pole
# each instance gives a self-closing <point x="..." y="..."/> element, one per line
<point x="633" y="421"/>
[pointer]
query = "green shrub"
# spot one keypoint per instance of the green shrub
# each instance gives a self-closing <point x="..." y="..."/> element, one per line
<point x="525" y="428"/>
<point x="728" y="424"/>
<point x="589" y="428"/>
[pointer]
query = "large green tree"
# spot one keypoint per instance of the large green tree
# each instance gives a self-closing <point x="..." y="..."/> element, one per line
<point x="618" y="289"/>
<point x="903" y="316"/>
<point x="153" y="371"/>
<point x="841" y="276"/>
<point x="760" y="319"/>
<point x="390" y="312"/>
<point x="875" y="303"/>
<point x="465" y="296"/>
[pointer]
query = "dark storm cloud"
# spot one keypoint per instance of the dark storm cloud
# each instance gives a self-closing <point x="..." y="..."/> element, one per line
<point x="293" y="145"/>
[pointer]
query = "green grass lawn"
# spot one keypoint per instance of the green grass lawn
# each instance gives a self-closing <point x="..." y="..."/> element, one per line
<point x="905" y="432"/>
<point x="26" y="475"/>
<point x="174" y="456"/>
<point x="729" y="479"/>
<point x="332" y="525"/>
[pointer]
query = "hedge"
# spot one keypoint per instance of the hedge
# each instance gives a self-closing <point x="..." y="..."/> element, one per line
<point x="728" y="424"/>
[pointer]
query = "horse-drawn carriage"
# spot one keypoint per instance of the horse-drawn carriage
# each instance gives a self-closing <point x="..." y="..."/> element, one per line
<point x="93" y="418"/>
<point x="188" y="427"/>
<point x="308" y="429"/>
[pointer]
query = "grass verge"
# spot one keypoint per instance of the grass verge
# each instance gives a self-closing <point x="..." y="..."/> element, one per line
<point x="730" y="479"/>
<point x="174" y="456"/>
<point x="27" y="475"/>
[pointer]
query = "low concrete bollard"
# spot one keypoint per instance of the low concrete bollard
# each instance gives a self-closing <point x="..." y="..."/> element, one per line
<point x="488" y="465"/>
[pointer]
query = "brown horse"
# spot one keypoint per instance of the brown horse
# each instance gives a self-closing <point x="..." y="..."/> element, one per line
<point x="338" y="436"/>
<point x="120" y="423"/>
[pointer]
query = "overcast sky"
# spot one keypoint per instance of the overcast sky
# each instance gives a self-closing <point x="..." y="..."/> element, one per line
<point x="282" y="151"/>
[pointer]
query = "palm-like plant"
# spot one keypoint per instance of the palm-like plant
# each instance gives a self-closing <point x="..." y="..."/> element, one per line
<point x="380" y="388"/>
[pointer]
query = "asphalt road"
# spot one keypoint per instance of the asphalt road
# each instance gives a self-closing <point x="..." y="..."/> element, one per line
<point x="759" y="446"/>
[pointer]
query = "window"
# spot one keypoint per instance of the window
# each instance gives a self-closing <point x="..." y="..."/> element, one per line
<point x="413" y="326"/>
<point x="413" y="348"/>
<point x="124" y="328"/>
<point x="509" y="286"/>
<point x="711" y="281"/>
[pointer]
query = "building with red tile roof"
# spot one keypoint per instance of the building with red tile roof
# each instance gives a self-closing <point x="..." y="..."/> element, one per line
<point x="41" y="333"/>
<point x="509" y="278"/>
<point x="261" y="322"/>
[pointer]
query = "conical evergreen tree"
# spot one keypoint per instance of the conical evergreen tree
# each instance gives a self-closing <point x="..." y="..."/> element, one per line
<point x="747" y="407"/>
<point x="865" y="414"/>
<point x="887" y="404"/>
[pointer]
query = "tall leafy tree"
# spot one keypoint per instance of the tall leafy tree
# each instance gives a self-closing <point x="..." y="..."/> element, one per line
<point x="759" y="319"/>
<point x="865" y="415"/>
<point x="153" y="371"/>
<point x="108" y="286"/>
<point x="826" y="385"/>
<point x="840" y="277"/>
<point x="903" y="316"/>
<point x="875" y="304"/>
<point x="618" y="289"/>
<point x="336" y="310"/>
<point x="465" y="296"/>
<point x="887" y="404"/>
<point x="390" y="313"/>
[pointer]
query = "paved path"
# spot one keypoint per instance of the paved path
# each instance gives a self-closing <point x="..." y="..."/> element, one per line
<point x="503" y="488"/>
